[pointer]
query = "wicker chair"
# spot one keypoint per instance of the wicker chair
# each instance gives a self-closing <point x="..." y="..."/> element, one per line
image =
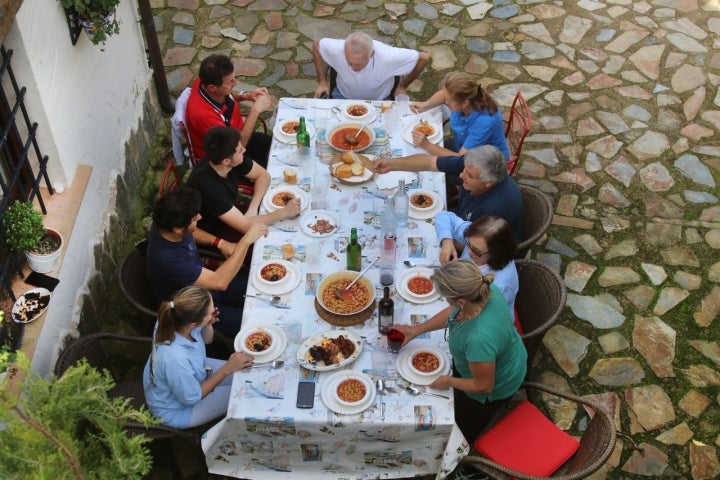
<point x="133" y="280"/>
<point x="95" y="348"/>
<point x="537" y="215"/>
<point x="596" y="446"/>
<point x="539" y="301"/>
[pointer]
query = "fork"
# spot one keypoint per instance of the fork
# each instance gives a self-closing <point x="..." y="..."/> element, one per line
<point x="274" y="301"/>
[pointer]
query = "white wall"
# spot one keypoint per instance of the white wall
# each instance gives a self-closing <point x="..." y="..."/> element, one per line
<point x="87" y="99"/>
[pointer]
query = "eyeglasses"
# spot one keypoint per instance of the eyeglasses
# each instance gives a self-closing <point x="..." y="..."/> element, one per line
<point x="476" y="252"/>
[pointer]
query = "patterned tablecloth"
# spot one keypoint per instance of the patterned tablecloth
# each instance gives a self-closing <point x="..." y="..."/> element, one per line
<point x="264" y="435"/>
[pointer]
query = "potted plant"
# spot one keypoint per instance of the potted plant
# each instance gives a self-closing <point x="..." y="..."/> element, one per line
<point x="97" y="17"/>
<point x="25" y="232"/>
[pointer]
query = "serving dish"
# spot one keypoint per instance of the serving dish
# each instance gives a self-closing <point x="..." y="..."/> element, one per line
<point x="336" y="137"/>
<point x="361" y="296"/>
<point x="31" y="305"/>
<point x="326" y="341"/>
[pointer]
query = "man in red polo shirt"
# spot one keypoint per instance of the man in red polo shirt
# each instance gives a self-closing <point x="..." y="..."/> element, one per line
<point x="213" y="103"/>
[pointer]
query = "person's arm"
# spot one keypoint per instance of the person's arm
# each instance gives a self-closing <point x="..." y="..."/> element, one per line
<point x="482" y="380"/>
<point x="437" y="98"/>
<point x="421" y="140"/>
<point x="261" y="183"/>
<point x="221" y="278"/>
<point x="202" y="237"/>
<point x="321" y="69"/>
<point x="423" y="59"/>
<point x="412" y="163"/>
<point x="262" y="103"/>
<point x="237" y="361"/>
<point x="449" y="228"/>
<point x="436" y="322"/>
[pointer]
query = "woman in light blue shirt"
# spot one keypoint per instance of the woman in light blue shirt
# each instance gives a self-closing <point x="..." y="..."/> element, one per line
<point x="182" y="386"/>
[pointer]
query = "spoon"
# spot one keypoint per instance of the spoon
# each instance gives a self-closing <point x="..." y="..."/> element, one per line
<point x="352" y="139"/>
<point x="380" y="385"/>
<point x="415" y="392"/>
<point x="343" y="294"/>
<point x="274" y="301"/>
<point x="411" y="264"/>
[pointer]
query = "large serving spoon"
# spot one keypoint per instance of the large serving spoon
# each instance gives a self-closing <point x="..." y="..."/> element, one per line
<point x="353" y="139"/>
<point x="343" y="294"/>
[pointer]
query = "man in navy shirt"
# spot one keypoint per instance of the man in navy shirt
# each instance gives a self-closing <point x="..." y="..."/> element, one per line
<point x="173" y="261"/>
<point x="486" y="188"/>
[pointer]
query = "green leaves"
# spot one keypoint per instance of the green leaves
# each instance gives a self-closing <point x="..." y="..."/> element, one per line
<point x="23" y="226"/>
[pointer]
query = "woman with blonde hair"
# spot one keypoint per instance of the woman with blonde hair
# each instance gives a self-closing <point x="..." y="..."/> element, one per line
<point x="475" y="117"/>
<point x="182" y="386"/>
<point x="489" y="358"/>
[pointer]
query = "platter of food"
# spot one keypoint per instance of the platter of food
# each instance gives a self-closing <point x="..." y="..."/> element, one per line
<point x="30" y="305"/>
<point x="318" y="223"/>
<point x="336" y="137"/>
<point x="276" y="198"/>
<point x="433" y="133"/>
<point x="329" y="350"/>
<point x="423" y="203"/>
<point x="415" y="286"/>
<point x="352" y="168"/>
<point x="361" y="295"/>
<point x="422" y="363"/>
<point x="286" y="130"/>
<point x="348" y="392"/>
<point x="264" y="343"/>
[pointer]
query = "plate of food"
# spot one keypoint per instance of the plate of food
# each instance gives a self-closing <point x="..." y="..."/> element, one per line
<point x="276" y="198"/>
<point x="348" y="392"/>
<point x="415" y="286"/>
<point x="422" y="363"/>
<point x="352" y="168"/>
<point x="264" y="343"/>
<point x="30" y="305"/>
<point x="287" y="277"/>
<point x="286" y="130"/>
<point x="318" y="223"/>
<point x="360" y="296"/>
<point x="336" y="137"/>
<point x="423" y="203"/>
<point x="359" y="111"/>
<point x="433" y="133"/>
<point x="329" y="350"/>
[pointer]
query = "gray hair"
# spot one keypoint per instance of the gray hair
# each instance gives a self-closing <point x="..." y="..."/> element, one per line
<point x="489" y="161"/>
<point x="360" y="42"/>
<point x="462" y="280"/>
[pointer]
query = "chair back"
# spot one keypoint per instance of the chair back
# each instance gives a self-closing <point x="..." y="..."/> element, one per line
<point x="537" y="214"/>
<point x="539" y="301"/>
<point x="517" y="127"/>
<point x="170" y="179"/>
<point x="134" y="283"/>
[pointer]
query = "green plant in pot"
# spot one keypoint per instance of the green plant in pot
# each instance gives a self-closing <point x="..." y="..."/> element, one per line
<point x="97" y="17"/>
<point x="25" y="232"/>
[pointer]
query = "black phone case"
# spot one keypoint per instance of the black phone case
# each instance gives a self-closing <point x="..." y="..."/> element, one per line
<point x="41" y="280"/>
<point x="306" y="395"/>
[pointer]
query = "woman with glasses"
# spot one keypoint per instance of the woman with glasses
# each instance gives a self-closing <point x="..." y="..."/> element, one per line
<point x="489" y="358"/>
<point x="488" y="241"/>
<point x="182" y="386"/>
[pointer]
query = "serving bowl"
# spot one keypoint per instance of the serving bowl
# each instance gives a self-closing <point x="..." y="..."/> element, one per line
<point x="336" y="137"/>
<point x="426" y="362"/>
<point x="362" y="294"/>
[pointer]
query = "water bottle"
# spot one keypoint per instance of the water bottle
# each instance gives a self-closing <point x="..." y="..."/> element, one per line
<point x="303" y="148"/>
<point x="401" y="204"/>
<point x="354" y="252"/>
<point x="319" y="190"/>
<point x="386" y="311"/>
<point x="387" y="255"/>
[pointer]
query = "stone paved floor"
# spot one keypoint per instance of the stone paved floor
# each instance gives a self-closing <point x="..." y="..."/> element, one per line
<point x="626" y="114"/>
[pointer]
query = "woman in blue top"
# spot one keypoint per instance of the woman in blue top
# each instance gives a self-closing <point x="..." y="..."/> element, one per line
<point x="475" y="117"/>
<point x="182" y="386"/>
<point x="489" y="358"/>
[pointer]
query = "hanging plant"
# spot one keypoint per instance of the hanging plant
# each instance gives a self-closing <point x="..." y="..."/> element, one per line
<point x="97" y="17"/>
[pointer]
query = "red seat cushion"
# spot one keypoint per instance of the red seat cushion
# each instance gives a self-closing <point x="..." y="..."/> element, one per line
<point x="526" y="441"/>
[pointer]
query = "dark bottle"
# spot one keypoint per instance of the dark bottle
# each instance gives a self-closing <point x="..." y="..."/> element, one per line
<point x="386" y="311"/>
<point x="354" y="252"/>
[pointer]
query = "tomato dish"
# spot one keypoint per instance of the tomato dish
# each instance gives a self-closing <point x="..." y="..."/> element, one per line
<point x="338" y="139"/>
<point x="272" y="272"/>
<point x="420" y="285"/>
<point x="422" y="201"/>
<point x="357" y="110"/>
<point x="355" y="301"/>
<point x="351" y="390"/>
<point x="258" y="341"/>
<point x="425" y="128"/>
<point x="291" y="127"/>
<point x="281" y="199"/>
<point x="425" y="362"/>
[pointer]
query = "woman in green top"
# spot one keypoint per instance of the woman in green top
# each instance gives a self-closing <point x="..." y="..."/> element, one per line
<point x="489" y="358"/>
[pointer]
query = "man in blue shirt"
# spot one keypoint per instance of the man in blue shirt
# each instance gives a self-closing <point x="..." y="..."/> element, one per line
<point x="486" y="188"/>
<point x="173" y="260"/>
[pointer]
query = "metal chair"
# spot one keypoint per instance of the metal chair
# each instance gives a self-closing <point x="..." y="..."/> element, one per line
<point x="539" y="301"/>
<point x="517" y="126"/>
<point x="97" y="349"/>
<point x="596" y="445"/>
<point x="537" y="215"/>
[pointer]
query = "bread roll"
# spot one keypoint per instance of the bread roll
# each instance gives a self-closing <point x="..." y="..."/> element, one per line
<point x="288" y="251"/>
<point x="290" y="175"/>
<point x="348" y="157"/>
<point x="344" y="171"/>
<point x="357" y="168"/>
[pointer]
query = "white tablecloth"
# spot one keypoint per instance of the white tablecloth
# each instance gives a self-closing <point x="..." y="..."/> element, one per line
<point x="264" y="435"/>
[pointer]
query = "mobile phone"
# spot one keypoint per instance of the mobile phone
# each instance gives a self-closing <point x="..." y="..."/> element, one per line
<point x="306" y="395"/>
<point x="41" y="280"/>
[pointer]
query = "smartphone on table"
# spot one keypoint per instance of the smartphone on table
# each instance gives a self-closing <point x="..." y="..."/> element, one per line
<point x="305" y="395"/>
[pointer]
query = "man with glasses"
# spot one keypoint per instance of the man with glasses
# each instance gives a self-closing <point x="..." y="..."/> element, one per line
<point x="486" y="188"/>
<point x="173" y="260"/>
<point x="366" y="69"/>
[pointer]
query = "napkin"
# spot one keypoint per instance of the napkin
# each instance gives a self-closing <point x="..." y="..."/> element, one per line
<point x="391" y="179"/>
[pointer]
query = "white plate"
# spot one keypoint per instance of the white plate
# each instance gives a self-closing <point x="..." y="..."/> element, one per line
<point x="434" y="138"/>
<point x="402" y="290"/>
<point x="293" y="281"/>
<point x="370" y="116"/>
<point x="358" y="179"/>
<point x="303" y="351"/>
<point x="298" y="192"/>
<point x="288" y="138"/>
<point x="403" y="367"/>
<point x="436" y="199"/>
<point x="276" y="349"/>
<point x="19" y="310"/>
<point x="267" y="283"/>
<point x="418" y="214"/>
<point x="327" y="393"/>
<point x="416" y="272"/>
<point x="309" y="218"/>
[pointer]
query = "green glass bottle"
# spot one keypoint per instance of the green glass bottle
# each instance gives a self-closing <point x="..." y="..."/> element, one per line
<point x="303" y="149"/>
<point x="354" y="252"/>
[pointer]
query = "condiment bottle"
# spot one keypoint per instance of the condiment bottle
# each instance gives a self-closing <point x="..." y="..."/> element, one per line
<point x="354" y="252"/>
<point x="401" y="204"/>
<point x="387" y="256"/>
<point x="303" y="148"/>
<point x="386" y="312"/>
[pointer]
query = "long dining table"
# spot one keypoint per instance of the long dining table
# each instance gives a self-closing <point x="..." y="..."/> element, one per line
<point x="395" y="434"/>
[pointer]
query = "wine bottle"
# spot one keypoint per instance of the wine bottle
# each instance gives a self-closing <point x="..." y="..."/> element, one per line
<point x="386" y="311"/>
<point x="354" y="252"/>
<point x="387" y="256"/>
<point x="303" y="148"/>
<point x="401" y="204"/>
